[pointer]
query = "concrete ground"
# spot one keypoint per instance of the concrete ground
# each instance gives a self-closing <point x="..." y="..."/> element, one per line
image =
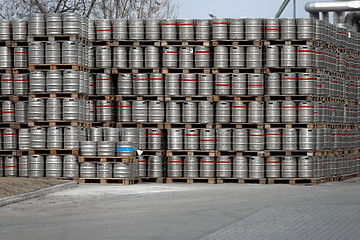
<point x="188" y="211"/>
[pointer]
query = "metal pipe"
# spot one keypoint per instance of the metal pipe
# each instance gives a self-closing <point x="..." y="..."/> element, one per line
<point x="282" y="8"/>
<point x="352" y="19"/>
<point x="313" y="7"/>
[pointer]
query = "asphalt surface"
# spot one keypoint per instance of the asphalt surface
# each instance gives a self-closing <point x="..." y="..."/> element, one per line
<point x="188" y="211"/>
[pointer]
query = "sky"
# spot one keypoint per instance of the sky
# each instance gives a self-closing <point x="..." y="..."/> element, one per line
<point x="192" y="9"/>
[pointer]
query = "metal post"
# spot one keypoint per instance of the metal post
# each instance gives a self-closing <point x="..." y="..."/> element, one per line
<point x="294" y="8"/>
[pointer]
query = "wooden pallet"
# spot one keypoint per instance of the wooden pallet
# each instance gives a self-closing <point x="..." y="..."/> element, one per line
<point x="240" y="180"/>
<point x="59" y="123"/>
<point x="233" y="98"/>
<point x="54" y="151"/>
<point x="140" y="98"/>
<point x="239" y="125"/>
<point x="180" y="98"/>
<point x="13" y="98"/>
<point x="187" y="70"/>
<point x="156" y="43"/>
<point x="98" y="124"/>
<point x="237" y="70"/>
<point x="59" y="67"/>
<point x="170" y="153"/>
<point x="147" y="125"/>
<point x="101" y="70"/>
<point x="191" y="180"/>
<point x="20" y="70"/>
<point x="5" y="43"/>
<point x="107" y="181"/>
<point x="292" y="98"/>
<point x="289" y="42"/>
<point x="290" y="125"/>
<point x="183" y="43"/>
<point x="19" y="44"/>
<point x="13" y="152"/>
<point x="110" y="159"/>
<point x="5" y="71"/>
<point x="290" y="70"/>
<point x="153" y="153"/>
<point x="53" y="38"/>
<point x="13" y="125"/>
<point x="309" y="153"/>
<point x="189" y="125"/>
<point x="151" y="180"/>
<point x="294" y="181"/>
<point x="135" y="70"/>
<point x="243" y="153"/>
<point x="100" y="97"/>
<point x="236" y="43"/>
<point x="54" y="95"/>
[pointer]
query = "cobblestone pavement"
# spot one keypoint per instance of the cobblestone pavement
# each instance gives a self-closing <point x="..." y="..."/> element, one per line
<point x="189" y="211"/>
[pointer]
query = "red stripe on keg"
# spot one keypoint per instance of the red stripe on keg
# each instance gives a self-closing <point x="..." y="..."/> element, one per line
<point x="223" y="85"/>
<point x="142" y="161"/>
<point x="319" y="85"/>
<point x="170" y="52"/>
<point x="103" y="79"/>
<point x="239" y="106"/>
<point x="9" y="134"/>
<point x="6" y="80"/>
<point x="223" y="162"/>
<point x="353" y="66"/>
<point x="307" y="78"/>
<point x="327" y="80"/>
<point x="172" y="24"/>
<point x="273" y="134"/>
<point x="22" y="80"/>
<point x="289" y="107"/>
<point x="255" y="85"/>
<point x="175" y="161"/>
<point x="91" y="85"/>
<point x="220" y="23"/>
<point x="155" y="134"/>
<point x="305" y="51"/>
<point x="92" y="111"/>
<point x="10" y="166"/>
<point x="124" y="106"/>
<point x="156" y="78"/>
<point x="21" y="53"/>
<point x="191" y="135"/>
<point x="252" y="135"/>
<point x="337" y="134"/>
<point x="335" y="81"/>
<point x="104" y="30"/>
<point x="205" y="140"/>
<point x="337" y="57"/>
<point x="323" y="107"/>
<point x="104" y="106"/>
<point x="288" y="78"/>
<point x="202" y="51"/>
<point x="323" y="167"/>
<point x="188" y="80"/>
<point x="306" y="106"/>
<point x="8" y="112"/>
<point x="185" y="24"/>
<point x="315" y="112"/>
<point x="352" y="85"/>
<point x="207" y="161"/>
<point x="318" y="52"/>
<point x="273" y="162"/>
<point x="270" y="29"/>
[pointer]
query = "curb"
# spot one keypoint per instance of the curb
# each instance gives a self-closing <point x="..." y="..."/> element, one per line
<point x="38" y="193"/>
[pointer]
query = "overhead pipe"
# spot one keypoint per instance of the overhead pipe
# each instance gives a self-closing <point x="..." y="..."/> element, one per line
<point x="352" y="19"/>
<point x="340" y="6"/>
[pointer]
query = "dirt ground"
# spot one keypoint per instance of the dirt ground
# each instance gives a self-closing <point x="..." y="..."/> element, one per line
<point x="10" y="186"/>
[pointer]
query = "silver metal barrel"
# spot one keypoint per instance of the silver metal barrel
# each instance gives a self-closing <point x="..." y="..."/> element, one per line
<point x="288" y="83"/>
<point x="289" y="141"/>
<point x="124" y="84"/>
<point x="239" y="112"/>
<point x="21" y="112"/>
<point x="111" y="134"/>
<point x="104" y="111"/>
<point x="123" y="170"/>
<point x="305" y="167"/>
<point x="53" y="166"/>
<point x="37" y="81"/>
<point x="120" y="57"/>
<point x="237" y="28"/>
<point x="142" y="166"/>
<point x="52" y="53"/>
<point x="156" y="84"/>
<point x="7" y="84"/>
<point x="288" y="112"/>
<point x="8" y="111"/>
<point x="155" y="167"/>
<point x="238" y="84"/>
<point x="36" y="52"/>
<point x="5" y="56"/>
<point x="191" y="168"/>
<point x="255" y="85"/>
<point x="223" y="112"/>
<point x="223" y="139"/>
<point x="207" y="167"/>
<point x="186" y="29"/>
<point x="206" y="112"/>
<point x="256" y="140"/>
<point x="223" y="167"/>
<point x="141" y="133"/>
<point x="272" y="56"/>
<point x="306" y="112"/>
<point x="91" y="30"/>
<point x="53" y="81"/>
<point x="70" y="166"/>
<point x="288" y="28"/>
<point x="71" y="137"/>
<point x="152" y="29"/>
<point x="155" y="139"/>
<point x="273" y="139"/>
<point x="36" y="109"/>
<point x="202" y="57"/>
<point x="288" y="56"/>
<point x="37" y="137"/>
<point x="120" y="29"/>
<point x="272" y="112"/>
<point x="305" y="56"/>
<point x="36" y="166"/>
<point x="256" y="167"/>
<point x="202" y="29"/>
<point x="174" y="166"/>
<point x="103" y="83"/>
<point x="254" y="57"/>
<point x="253" y="28"/>
<point x="272" y="84"/>
<point x="24" y="139"/>
<point x="220" y="29"/>
<point x="307" y="83"/>
<point x="168" y="29"/>
<point x="87" y="170"/>
<point x="96" y="134"/>
<point x="19" y="30"/>
<point x="256" y="112"/>
<point x="172" y="84"/>
<point x="186" y="57"/>
<point x="23" y="166"/>
<point x="70" y="109"/>
<point x="103" y="29"/>
<point x="90" y="111"/>
<point x="71" y="81"/>
<point x="175" y="139"/>
<point x="173" y="112"/>
<point x="21" y="57"/>
<point x="11" y="166"/>
<point x="306" y="139"/>
<point x="103" y="57"/>
<point x="53" y="109"/>
<point x="288" y="167"/>
<point x="273" y="165"/>
<point x="170" y="57"/>
<point x="54" y="138"/>
<point x="71" y="24"/>
<point x="240" y="139"/>
<point x="123" y="111"/>
<point x="136" y="29"/>
<point x="37" y="24"/>
<point x="21" y="84"/>
<point x="207" y="139"/>
<point x="272" y="29"/>
<point x="240" y="167"/>
<point x="156" y="111"/>
<point x="221" y="57"/>
<point x="140" y="84"/>
<point x="189" y="112"/>
<point x="136" y="57"/>
<point x="222" y="84"/>
<point x="191" y="139"/>
<point x="70" y="53"/>
<point x="305" y="28"/>
<point x="237" y="57"/>
<point x="152" y="57"/>
<point x="188" y="84"/>
<point x="105" y="148"/>
<point x="104" y="170"/>
<point x="140" y="111"/>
